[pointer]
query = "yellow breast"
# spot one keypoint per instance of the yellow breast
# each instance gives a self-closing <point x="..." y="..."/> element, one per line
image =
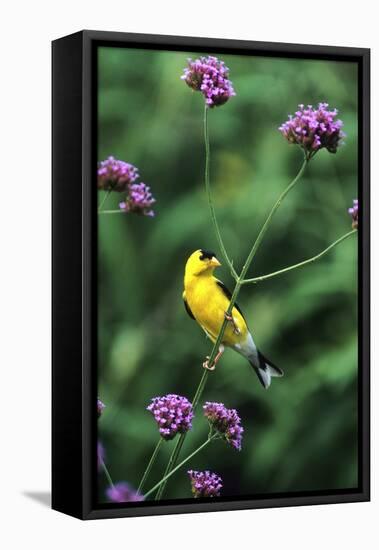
<point x="208" y="304"/>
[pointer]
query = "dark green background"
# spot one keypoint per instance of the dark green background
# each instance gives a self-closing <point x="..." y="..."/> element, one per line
<point x="301" y="434"/>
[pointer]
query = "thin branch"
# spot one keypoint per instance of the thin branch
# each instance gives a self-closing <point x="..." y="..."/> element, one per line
<point x="103" y="201"/>
<point x="300" y="264"/>
<point x="239" y="282"/>
<point x="106" y="472"/>
<point x="266" y="224"/>
<point x="166" y="476"/>
<point x="210" y="200"/>
<point x="150" y="465"/>
<point x="111" y="212"/>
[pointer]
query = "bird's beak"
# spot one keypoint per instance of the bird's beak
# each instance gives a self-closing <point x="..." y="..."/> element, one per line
<point x="214" y="262"/>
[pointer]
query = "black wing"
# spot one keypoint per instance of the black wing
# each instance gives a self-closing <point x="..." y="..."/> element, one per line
<point x="188" y="309"/>
<point x="228" y="294"/>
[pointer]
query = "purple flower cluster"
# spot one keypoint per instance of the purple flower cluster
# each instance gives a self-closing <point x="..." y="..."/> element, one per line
<point x="172" y="413"/>
<point x="123" y="492"/>
<point x="353" y="211"/>
<point x="115" y="175"/>
<point x="100" y="408"/>
<point x="314" y="129"/>
<point x="205" y="484"/>
<point x="209" y="76"/>
<point x="139" y="200"/>
<point x="226" y="422"/>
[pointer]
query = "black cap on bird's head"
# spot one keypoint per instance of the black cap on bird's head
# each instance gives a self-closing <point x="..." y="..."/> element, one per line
<point x="206" y="254"/>
<point x="200" y="261"/>
<point x="209" y="257"/>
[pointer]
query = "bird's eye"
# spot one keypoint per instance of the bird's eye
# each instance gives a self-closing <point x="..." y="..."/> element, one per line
<point x="206" y="255"/>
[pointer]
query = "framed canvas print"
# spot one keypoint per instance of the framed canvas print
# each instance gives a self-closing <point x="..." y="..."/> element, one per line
<point x="210" y="274"/>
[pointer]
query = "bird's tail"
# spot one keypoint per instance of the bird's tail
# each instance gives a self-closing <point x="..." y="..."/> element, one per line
<point x="265" y="369"/>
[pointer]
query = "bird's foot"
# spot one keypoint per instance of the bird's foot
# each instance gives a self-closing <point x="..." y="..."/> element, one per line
<point x="206" y="364"/>
<point x="231" y="320"/>
<point x="215" y="361"/>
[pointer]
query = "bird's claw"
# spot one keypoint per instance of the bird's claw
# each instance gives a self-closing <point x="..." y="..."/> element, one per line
<point x="206" y="364"/>
<point x="231" y="320"/>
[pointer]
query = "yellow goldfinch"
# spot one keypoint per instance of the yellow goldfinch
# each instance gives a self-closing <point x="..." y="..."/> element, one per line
<point x="206" y="300"/>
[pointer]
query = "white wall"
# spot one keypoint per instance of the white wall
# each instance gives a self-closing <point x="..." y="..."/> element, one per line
<point x="27" y="28"/>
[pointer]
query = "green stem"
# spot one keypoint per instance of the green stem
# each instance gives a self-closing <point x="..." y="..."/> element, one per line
<point x="111" y="212"/>
<point x="179" y="443"/>
<point x="104" y="199"/>
<point x="200" y="388"/>
<point x="300" y="264"/>
<point x="150" y="465"/>
<point x="171" y="463"/>
<point x="210" y="200"/>
<point x="239" y="282"/>
<point x="107" y="474"/>
<point x="166" y="476"/>
<point x="266" y="224"/>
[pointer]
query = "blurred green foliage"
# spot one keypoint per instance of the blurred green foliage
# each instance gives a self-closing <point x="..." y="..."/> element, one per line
<point x="301" y="434"/>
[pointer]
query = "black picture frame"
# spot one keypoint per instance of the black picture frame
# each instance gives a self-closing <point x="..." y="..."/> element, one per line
<point x="74" y="271"/>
